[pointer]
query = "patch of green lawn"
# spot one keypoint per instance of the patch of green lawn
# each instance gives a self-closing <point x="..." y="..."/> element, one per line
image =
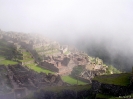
<point x="72" y="80"/>
<point x="38" y="69"/>
<point x="7" y="62"/>
<point x="116" y="79"/>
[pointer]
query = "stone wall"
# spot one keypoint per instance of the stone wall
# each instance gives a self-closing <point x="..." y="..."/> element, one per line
<point x="110" y="89"/>
<point x="65" y="61"/>
<point x="49" y="66"/>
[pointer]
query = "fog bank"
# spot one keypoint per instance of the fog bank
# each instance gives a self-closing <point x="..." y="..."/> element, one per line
<point x="102" y="28"/>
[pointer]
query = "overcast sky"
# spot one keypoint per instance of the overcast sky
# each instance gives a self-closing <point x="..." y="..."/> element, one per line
<point x="95" y="26"/>
<point x="69" y="18"/>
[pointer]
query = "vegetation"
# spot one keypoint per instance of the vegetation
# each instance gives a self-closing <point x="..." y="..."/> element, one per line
<point x="72" y="80"/>
<point x="111" y="70"/>
<point x="77" y="70"/>
<point x="32" y="65"/>
<point x="116" y="79"/>
<point x="7" y="62"/>
<point x="27" y="57"/>
<point x="8" y="53"/>
<point x="38" y="69"/>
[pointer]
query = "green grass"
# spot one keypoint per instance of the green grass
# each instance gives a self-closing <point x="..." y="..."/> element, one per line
<point x="72" y="80"/>
<point x="7" y="62"/>
<point x="116" y="79"/>
<point x="26" y="54"/>
<point x="38" y="69"/>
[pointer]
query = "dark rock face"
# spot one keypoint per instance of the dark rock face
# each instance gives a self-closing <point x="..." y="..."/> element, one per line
<point x="95" y="86"/>
<point x="114" y="90"/>
<point x="65" y="94"/>
<point x="110" y="89"/>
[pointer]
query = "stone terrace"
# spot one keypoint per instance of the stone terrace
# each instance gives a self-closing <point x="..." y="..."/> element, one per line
<point x="25" y="77"/>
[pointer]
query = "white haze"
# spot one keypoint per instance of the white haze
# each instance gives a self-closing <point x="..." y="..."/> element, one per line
<point x="71" y="21"/>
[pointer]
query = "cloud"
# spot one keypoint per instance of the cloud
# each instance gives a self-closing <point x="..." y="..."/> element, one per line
<point x="71" y="21"/>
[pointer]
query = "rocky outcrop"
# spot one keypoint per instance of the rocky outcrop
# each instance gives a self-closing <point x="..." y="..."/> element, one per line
<point x="110" y="89"/>
<point x="114" y="90"/>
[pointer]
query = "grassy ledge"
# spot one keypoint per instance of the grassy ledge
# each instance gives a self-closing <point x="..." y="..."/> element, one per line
<point x="72" y="80"/>
<point x="116" y="79"/>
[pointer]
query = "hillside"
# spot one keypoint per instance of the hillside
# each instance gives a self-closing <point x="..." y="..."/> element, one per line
<point x="40" y="53"/>
<point x="32" y="62"/>
<point x="113" y="86"/>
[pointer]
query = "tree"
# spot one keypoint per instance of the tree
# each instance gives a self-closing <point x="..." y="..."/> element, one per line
<point x="76" y="71"/>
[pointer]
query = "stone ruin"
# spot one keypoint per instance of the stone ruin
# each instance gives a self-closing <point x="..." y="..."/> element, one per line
<point x="5" y="85"/>
<point x="25" y="77"/>
<point x="93" y="69"/>
<point x="19" y="80"/>
<point x="63" y="64"/>
<point x="60" y="63"/>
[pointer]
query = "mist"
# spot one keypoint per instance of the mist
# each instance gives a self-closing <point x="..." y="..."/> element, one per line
<point x="101" y="28"/>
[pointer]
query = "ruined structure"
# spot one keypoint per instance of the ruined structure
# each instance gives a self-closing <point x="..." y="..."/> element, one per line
<point x="17" y="81"/>
<point x="51" y="55"/>
<point x="25" y="77"/>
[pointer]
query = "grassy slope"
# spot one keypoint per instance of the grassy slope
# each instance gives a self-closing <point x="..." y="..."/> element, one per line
<point x="71" y="80"/>
<point x="38" y="69"/>
<point x="7" y="62"/>
<point x="116" y="79"/>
